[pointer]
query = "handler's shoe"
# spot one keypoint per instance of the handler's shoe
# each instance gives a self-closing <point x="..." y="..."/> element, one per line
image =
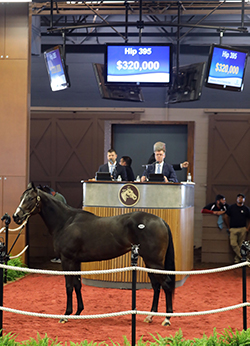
<point x="55" y="260"/>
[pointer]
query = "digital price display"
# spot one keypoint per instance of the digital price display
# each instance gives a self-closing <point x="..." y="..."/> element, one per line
<point x="138" y="64"/>
<point x="56" y="70"/>
<point x="226" y="68"/>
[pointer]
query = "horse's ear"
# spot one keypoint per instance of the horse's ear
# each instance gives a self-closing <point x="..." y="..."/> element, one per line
<point x="32" y="185"/>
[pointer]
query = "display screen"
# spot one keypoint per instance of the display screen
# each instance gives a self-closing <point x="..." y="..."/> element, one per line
<point x="56" y="69"/>
<point x="141" y="64"/>
<point x="187" y="84"/>
<point x="226" y="68"/>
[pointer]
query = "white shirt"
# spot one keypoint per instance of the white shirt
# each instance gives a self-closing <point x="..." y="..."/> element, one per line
<point x="111" y="167"/>
<point x="161" y="167"/>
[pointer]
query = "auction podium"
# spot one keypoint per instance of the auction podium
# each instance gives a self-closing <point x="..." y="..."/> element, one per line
<point x="173" y="202"/>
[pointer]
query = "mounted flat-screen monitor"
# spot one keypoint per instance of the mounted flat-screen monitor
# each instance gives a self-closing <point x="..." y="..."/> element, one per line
<point x="120" y="92"/>
<point x="226" y="68"/>
<point x="138" y="64"/>
<point x="187" y="83"/>
<point x="56" y="68"/>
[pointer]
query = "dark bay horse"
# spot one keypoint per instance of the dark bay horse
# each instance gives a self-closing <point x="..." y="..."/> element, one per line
<point x="80" y="236"/>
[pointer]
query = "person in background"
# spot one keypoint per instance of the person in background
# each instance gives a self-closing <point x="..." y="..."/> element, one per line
<point x="60" y="198"/>
<point x="161" y="145"/>
<point x="113" y="167"/>
<point x="160" y="167"/>
<point x="126" y="161"/>
<point x="237" y="221"/>
<point x="219" y="207"/>
<point x="52" y="192"/>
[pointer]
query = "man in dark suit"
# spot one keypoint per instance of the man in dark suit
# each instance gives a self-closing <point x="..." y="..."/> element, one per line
<point x="113" y="166"/>
<point x="160" y="167"/>
<point x="161" y="145"/>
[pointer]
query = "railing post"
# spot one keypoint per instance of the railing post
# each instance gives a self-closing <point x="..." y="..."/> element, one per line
<point x="245" y="248"/>
<point x="7" y="219"/>
<point x="134" y="260"/>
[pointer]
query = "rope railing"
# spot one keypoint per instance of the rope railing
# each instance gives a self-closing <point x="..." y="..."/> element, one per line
<point x="20" y="253"/>
<point x="122" y="313"/>
<point x="125" y="269"/>
<point x="15" y="229"/>
<point x="132" y="312"/>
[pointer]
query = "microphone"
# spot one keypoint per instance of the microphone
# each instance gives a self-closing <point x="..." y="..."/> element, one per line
<point x="149" y="164"/>
<point x="111" y="161"/>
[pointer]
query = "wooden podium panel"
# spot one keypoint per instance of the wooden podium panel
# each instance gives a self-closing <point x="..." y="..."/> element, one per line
<point x="179" y="216"/>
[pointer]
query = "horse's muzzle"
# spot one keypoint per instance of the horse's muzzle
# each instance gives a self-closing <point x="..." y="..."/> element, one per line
<point x="17" y="219"/>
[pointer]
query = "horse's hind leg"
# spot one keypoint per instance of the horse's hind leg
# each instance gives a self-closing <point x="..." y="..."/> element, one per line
<point x="157" y="282"/>
<point x="78" y="286"/>
<point x="169" y="301"/>
<point x="156" y="287"/>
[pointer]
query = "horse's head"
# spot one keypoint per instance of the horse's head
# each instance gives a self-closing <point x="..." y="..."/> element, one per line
<point x="130" y="193"/>
<point x="29" y="204"/>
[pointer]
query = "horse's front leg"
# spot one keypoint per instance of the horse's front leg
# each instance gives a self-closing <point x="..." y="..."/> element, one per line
<point x="78" y="286"/>
<point x="69" y="290"/>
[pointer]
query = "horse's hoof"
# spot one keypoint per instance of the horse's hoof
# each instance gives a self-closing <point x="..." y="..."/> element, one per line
<point x="63" y="320"/>
<point x="149" y="319"/>
<point x="166" y="322"/>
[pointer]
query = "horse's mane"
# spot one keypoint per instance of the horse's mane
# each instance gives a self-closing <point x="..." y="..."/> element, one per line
<point x="76" y="210"/>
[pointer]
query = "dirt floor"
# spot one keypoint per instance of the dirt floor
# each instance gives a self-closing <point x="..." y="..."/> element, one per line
<point x="46" y="294"/>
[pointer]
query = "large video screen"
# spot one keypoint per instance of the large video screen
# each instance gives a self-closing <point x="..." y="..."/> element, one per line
<point x="226" y="68"/>
<point x="139" y="64"/>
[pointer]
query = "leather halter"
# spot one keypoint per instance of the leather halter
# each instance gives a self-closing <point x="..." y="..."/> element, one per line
<point x="37" y="205"/>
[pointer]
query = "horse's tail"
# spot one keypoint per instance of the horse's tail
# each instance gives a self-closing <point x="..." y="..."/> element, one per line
<point x="169" y="258"/>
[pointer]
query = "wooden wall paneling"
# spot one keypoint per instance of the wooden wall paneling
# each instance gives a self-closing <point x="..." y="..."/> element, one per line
<point x="1" y="198"/>
<point x="2" y="30"/>
<point x="17" y="31"/>
<point x="73" y="154"/>
<point x="14" y="104"/>
<point x="228" y="162"/>
<point x="41" y="148"/>
<point x="41" y="243"/>
<point x="14" y="117"/>
<point x="67" y="147"/>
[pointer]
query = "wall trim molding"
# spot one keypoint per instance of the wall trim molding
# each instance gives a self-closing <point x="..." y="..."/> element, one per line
<point x="87" y="109"/>
<point x="227" y="111"/>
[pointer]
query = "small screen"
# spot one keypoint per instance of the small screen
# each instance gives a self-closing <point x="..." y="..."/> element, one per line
<point x="146" y="64"/>
<point x="56" y="69"/>
<point x="226" y="68"/>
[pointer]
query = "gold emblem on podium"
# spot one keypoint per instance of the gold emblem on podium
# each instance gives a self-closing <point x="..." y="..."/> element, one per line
<point x="129" y="195"/>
